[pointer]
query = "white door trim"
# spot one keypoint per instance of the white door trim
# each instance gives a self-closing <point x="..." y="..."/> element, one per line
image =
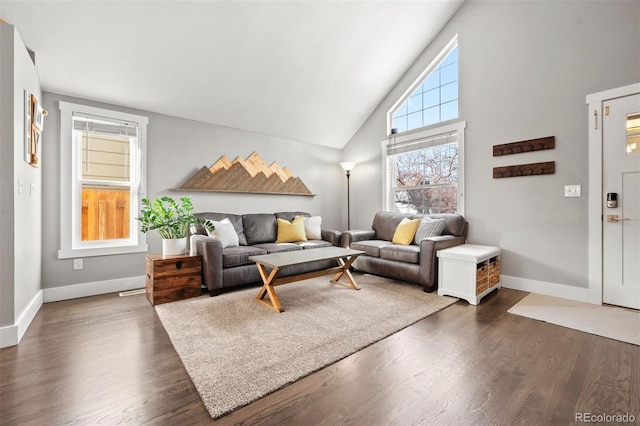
<point x="595" y="101"/>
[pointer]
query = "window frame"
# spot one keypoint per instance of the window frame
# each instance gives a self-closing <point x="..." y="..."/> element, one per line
<point x="71" y="244"/>
<point x="421" y="78"/>
<point x="425" y="135"/>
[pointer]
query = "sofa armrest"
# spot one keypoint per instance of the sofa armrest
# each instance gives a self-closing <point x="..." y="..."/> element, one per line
<point x="428" y="259"/>
<point x="333" y="236"/>
<point x="353" y="236"/>
<point x="211" y="251"/>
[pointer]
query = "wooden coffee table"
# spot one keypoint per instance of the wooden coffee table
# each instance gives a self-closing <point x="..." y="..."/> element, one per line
<point x="278" y="261"/>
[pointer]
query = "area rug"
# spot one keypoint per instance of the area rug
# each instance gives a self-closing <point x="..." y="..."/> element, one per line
<point x="606" y="321"/>
<point x="237" y="350"/>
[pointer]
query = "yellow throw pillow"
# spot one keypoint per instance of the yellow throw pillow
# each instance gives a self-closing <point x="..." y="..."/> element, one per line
<point x="291" y="232"/>
<point x="405" y="231"/>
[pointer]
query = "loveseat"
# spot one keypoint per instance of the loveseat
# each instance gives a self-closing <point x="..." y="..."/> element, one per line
<point x="414" y="260"/>
<point x="226" y="264"/>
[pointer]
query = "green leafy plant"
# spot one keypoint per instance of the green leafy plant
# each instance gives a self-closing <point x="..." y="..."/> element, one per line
<point x="169" y="218"/>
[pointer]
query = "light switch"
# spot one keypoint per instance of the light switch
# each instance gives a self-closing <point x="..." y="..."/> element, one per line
<point x="572" y="190"/>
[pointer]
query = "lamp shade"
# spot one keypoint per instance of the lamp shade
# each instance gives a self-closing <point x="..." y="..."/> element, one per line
<point x="348" y="165"/>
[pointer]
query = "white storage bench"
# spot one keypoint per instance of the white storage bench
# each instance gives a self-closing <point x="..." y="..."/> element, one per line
<point x="468" y="271"/>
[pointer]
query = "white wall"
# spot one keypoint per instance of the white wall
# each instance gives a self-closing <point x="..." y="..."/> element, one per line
<point x="176" y="148"/>
<point x="21" y="224"/>
<point x="525" y="69"/>
<point x="6" y="175"/>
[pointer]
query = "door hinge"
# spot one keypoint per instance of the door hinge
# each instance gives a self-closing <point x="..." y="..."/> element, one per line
<point x="606" y="110"/>
<point x="595" y="119"/>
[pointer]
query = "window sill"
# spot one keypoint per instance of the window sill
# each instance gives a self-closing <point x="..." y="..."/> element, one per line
<point x="103" y="251"/>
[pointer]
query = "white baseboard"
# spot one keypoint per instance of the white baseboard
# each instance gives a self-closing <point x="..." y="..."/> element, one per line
<point x="11" y="335"/>
<point x="25" y="318"/>
<point x="549" y="289"/>
<point x="55" y="294"/>
<point x="8" y="336"/>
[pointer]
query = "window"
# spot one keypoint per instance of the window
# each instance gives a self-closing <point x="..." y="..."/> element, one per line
<point x="425" y="171"/>
<point x="425" y="168"/>
<point x="432" y="99"/>
<point x="102" y="178"/>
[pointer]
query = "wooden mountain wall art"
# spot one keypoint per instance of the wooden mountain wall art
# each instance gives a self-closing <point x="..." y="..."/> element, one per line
<point x="251" y="175"/>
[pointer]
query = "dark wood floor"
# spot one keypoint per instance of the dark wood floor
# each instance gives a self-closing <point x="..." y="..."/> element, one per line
<point x="107" y="360"/>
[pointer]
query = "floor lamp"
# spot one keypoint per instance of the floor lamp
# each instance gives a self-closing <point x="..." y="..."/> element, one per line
<point x="348" y="166"/>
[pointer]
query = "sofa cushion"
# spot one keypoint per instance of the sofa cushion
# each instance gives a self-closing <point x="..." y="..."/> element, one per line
<point x="278" y="247"/>
<point x="259" y="228"/>
<point x="236" y="256"/>
<point x="386" y="223"/>
<point x="405" y="231"/>
<point x="401" y="253"/>
<point x="370" y="247"/>
<point x="453" y="223"/>
<point x="291" y="232"/>
<point x="429" y="228"/>
<point x="311" y="244"/>
<point x="236" y="221"/>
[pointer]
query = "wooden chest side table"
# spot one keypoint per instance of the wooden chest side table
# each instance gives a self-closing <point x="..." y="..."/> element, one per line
<point x="171" y="278"/>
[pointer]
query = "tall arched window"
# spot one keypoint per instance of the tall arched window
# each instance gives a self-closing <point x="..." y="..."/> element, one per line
<point x="424" y="155"/>
<point x="433" y="98"/>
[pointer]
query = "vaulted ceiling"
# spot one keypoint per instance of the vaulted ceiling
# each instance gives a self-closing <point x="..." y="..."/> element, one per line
<point x="310" y="71"/>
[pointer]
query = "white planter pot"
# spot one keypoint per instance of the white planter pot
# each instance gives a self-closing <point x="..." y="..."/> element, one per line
<point x="174" y="246"/>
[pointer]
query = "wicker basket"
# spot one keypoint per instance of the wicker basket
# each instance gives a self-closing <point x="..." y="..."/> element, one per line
<point x="482" y="278"/>
<point x="494" y="272"/>
<point x="482" y="285"/>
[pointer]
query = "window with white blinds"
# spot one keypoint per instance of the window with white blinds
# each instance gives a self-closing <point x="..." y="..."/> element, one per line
<point x="424" y="155"/>
<point x="104" y="183"/>
<point x="424" y="171"/>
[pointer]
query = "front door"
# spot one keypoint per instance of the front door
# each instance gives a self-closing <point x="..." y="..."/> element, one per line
<point x="621" y="202"/>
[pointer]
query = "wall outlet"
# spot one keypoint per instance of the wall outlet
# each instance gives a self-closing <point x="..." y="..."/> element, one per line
<point x="572" y="190"/>
<point x="77" y="264"/>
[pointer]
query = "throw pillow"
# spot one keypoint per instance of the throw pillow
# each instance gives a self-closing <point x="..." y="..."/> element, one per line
<point x="405" y="231"/>
<point x="429" y="228"/>
<point x="291" y="232"/>
<point x="225" y="233"/>
<point x="312" y="228"/>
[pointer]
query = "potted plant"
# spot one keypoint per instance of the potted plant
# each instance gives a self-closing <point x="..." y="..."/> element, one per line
<point x="171" y="220"/>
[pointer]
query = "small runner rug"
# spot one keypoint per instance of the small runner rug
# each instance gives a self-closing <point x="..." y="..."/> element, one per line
<point x="237" y="350"/>
<point x="606" y="321"/>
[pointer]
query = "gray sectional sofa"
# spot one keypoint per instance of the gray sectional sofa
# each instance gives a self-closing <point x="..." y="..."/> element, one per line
<point x="257" y="233"/>
<point x="415" y="262"/>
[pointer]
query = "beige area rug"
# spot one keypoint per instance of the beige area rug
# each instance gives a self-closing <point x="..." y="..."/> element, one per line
<point x="237" y="350"/>
<point x="606" y="321"/>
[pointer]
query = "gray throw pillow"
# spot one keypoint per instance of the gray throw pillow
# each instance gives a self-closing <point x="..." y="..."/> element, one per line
<point x="429" y="228"/>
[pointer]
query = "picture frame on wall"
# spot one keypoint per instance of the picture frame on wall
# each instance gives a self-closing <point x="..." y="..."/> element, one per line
<point x="38" y="115"/>
<point x="35" y="118"/>
<point x="27" y="126"/>
<point x="35" y="146"/>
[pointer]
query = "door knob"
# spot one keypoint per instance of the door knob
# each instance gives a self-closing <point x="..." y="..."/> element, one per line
<point x="614" y="218"/>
